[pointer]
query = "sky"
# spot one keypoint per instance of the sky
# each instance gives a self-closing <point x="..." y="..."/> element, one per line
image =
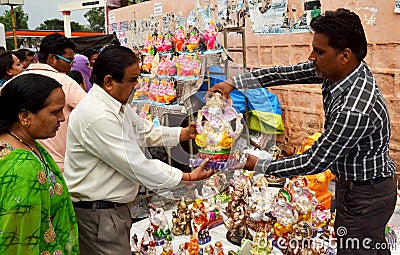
<point x="41" y="10"/>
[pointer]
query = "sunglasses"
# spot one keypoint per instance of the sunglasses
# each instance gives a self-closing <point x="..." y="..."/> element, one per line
<point x="69" y="61"/>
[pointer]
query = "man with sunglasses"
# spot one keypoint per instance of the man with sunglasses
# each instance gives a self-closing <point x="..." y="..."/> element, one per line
<point x="56" y="57"/>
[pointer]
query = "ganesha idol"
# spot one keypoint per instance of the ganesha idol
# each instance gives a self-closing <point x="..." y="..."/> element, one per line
<point x="216" y="136"/>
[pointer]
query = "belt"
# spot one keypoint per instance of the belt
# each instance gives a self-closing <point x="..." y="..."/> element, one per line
<point x="97" y="204"/>
<point x="350" y="184"/>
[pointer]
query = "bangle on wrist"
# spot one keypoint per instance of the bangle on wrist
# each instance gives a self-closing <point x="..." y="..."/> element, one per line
<point x="190" y="178"/>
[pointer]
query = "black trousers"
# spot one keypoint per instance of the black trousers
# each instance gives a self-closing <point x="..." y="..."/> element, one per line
<point x="362" y="213"/>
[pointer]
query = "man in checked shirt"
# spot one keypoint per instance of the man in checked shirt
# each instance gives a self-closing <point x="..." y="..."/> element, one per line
<point x="355" y="142"/>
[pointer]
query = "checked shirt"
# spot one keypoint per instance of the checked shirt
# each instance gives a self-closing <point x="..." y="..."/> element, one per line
<point x="355" y="141"/>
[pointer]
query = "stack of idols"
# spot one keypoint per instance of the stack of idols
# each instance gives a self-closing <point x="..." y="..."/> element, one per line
<point x="216" y="136"/>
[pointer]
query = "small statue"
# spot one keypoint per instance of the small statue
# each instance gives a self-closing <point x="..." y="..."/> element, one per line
<point x="235" y="215"/>
<point x="210" y="35"/>
<point x="181" y="220"/>
<point x="261" y="245"/>
<point x="216" y="137"/>
<point x="167" y="247"/>
<point x="147" y="244"/>
<point x="200" y="222"/>
<point x="219" y="250"/>
<point x="302" y="199"/>
<point x="179" y="38"/>
<point x="318" y="182"/>
<point x="159" y="223"/>
<point x="134" y="245"/>
<point x="193" y="246"/>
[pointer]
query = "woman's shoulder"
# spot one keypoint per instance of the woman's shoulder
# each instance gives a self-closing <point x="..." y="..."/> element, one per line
<point x="11" y="154"/>
<point x="5" y="149"/>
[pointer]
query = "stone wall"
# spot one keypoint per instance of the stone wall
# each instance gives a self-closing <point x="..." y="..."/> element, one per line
<point x="302" y="104"/>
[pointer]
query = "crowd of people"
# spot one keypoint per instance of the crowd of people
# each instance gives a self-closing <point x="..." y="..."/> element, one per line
<point x="72" y="149"/>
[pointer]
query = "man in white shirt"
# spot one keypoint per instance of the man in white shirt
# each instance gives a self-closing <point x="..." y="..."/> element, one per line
<point x="105" y="162"/>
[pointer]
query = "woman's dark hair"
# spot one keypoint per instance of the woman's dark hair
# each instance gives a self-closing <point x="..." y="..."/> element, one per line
<point x="112" y="61"/>
<point x="344" y="30"/>
<point x="26" y="92"/>
<point x="6" y="62"/>
<point x="54" y="44"/>
<point x="76" y="75"/>
<point x="20" y="54"/>
<point x="90" y="52"/>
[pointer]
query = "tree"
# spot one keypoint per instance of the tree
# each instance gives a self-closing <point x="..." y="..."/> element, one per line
<point x="58" y="24"/>
<point x="21" y="22"/>
<point x="96" y="18"/>
<point x="21" y="18"/>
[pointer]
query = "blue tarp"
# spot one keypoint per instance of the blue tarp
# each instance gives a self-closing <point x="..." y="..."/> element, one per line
<point x="258" y="99"/>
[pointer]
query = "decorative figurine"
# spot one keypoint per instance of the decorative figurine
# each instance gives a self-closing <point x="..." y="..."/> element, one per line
<point x="200" y="222"/>
<point x="216" y="137"/>
<point x="159" y="223"/>
<point x="147" y="244"/>
<point x="179" y="38"/>
<point x="193" y="246"/>
<point x="261" y="245"/>
<point x="170" y="92"/>
<point x="235" y="215"/>
<point x="210" y="35"/>
<point x="181" y="220"/>
<point x="302" y="199"/>
<point x="134" y="245"/>
<point x="318" y="182"/>
<point x="167" y="247"/>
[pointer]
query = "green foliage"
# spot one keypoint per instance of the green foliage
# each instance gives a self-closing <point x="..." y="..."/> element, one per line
<point x="58" y="24"/>
<point x="21" y="22"/>
<point x="96" y="18"/>
<point x="21" y="18"/>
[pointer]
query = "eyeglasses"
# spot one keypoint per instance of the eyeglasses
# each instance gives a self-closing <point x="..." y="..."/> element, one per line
<point x="69" y="61"/>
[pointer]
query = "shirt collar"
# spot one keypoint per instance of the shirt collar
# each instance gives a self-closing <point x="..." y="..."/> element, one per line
<point x="114" y="104"/>
<point x="338" y="87"/>
<point x="41" y="66"/>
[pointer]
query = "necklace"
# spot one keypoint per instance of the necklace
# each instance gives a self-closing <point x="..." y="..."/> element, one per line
<point x="43" y="176"/>
<point x="24" y="143"/>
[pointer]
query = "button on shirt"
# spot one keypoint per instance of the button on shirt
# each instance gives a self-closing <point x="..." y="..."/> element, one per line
<point x="105" y="159"/>
<point x="355" y="141"/>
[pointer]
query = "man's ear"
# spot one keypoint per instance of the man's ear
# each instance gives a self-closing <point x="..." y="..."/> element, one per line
<point x="51" y="59"/>
<point x="108" y="82"/>
<point x="346" y="55"/>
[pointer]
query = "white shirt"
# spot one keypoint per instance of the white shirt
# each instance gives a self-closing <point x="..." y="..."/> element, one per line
<point x="104" y="159"/>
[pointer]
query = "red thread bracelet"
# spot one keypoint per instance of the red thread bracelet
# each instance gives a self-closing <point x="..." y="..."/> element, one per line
<point x="190" y="178"/>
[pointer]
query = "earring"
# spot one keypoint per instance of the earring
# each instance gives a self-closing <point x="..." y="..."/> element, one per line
<point x="25" y="124"/>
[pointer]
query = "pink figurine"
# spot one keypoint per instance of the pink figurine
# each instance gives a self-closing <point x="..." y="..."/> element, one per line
<point x="193" y="42"/>
<point x="179" y="38"/>
<point x="210" y="35"/>
<point x="170" y="92"/>
<point x="153" y="89"/>
<point x="161" y="91"/>
<point x="159" y="43"/>
<point x="167" y="44"/>
<point x="148" y="44"/>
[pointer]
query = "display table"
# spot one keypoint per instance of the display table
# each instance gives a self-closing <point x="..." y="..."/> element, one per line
<point x="219" y="233"/>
